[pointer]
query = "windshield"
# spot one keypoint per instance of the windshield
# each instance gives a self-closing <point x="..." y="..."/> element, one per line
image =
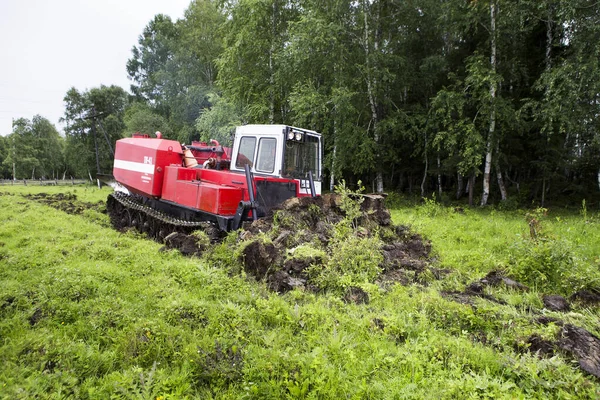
<point x="301" y="157"/>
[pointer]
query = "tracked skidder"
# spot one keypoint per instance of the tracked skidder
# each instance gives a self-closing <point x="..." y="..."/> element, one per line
<point x="165" y="186"/>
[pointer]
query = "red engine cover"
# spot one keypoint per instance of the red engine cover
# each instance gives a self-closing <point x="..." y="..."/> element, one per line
<point x="140" y="163"/>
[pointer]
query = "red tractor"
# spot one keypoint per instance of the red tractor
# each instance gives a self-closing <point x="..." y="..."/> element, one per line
<point x="167" y="186"/>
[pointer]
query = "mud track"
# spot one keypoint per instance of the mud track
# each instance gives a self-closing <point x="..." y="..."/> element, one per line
<point x="66" y="202"/>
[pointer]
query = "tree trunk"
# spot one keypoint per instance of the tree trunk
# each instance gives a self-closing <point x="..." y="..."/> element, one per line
<point x="332" y="177"/>
<point x="426" y="169"/>
<point x="491" y="133"/>
<point x="371" y="84"/>
<point x="459" y="186"/>
<point x="543" y="202"/>
<point x="471" y="187"/>
<point x="503" y="192"/>
<point x="486" y="172"/>
<point x="95" y="144"/>
<point x="439" y="176"/>
<point x="501" y="184"/>
<point x="271" y="67"/>
<point x="548" y="61"/>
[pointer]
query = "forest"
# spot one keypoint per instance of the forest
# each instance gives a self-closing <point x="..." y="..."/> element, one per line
<point x="485" y="101"/>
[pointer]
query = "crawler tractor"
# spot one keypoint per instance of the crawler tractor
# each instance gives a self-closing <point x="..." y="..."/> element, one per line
<point x="165" y="186"/>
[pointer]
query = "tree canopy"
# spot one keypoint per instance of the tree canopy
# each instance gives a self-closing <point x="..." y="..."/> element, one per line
<point x="496" y="99"/>
<point x="33" y="150"/>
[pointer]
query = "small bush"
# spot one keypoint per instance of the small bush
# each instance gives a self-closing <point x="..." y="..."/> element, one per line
<point x="219" y="366"/>
<point x="431" y="208"/>
<point x="350" y="202"/>
<point x="353" y="261"/>
<point x="510" y="204"/>
<point x="545" y="264"/>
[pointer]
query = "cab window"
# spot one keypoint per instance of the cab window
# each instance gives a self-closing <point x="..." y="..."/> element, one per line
<point x="246" y="152"/>
<point x="266" y="155"/>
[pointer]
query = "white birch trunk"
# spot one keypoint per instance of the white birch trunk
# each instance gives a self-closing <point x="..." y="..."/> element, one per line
<point x="439" y="175"/>
<point x="488" y="156"/>
<point x="271" y="68"/>
<point x="548" y="61"/>
<point x="459" y="184"/>
<point x="334" y="155"/>
<point x="372" y="102"/>
<point x="332" y="177"/>
<point x="503" y="192"/>
<point x="426" y="168"/>
<point x="501" y="184"/>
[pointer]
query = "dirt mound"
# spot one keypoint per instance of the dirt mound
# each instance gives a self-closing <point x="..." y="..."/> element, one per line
<point x="494" y="279"/>
<point x="303" y="236"/>
<point x="542" y="347"/>
<point x="583" y="346"/>
<point x="587" y="297"/>
<point x="573" y="341"/>
<point x="555" y="302"/>
<point x="188" y="245"/>
<point x="310" y="242"/>
<point x="356" y="295"/>
<point x="477" y="288"/>
<point x="66" y="202"/>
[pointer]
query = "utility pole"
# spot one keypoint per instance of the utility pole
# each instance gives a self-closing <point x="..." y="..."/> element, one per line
<point x="14" y="151"/>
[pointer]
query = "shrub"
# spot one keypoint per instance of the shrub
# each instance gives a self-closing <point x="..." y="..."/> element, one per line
<point x="545" y="264"/>
<point x="431" y="208"/>
<point x="350" y="202"/>
<point x="353" y="261"/>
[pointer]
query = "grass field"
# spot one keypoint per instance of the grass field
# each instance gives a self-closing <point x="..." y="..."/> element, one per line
<point x="87" y="312"/>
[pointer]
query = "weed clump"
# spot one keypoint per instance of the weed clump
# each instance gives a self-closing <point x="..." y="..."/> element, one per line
<point x="547" y="262"/>
<point x="218" y="367"/>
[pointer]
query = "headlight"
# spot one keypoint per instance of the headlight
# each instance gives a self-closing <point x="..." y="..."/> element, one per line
<point x="298" y="136"/>
<point x="290" y="135"/>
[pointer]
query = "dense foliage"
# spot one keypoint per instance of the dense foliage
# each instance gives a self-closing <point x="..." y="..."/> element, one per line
<point x="497" y="99"/>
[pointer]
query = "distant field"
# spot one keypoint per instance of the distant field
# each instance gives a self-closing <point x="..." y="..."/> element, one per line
<point x="87" y="312"/>
<point x="43" y="182"/>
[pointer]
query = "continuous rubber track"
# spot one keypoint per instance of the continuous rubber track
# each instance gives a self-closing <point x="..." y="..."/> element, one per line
<point x="128" y="211"/>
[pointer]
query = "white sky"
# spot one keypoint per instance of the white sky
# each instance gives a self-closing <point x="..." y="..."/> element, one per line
<point x="47" y="47"/>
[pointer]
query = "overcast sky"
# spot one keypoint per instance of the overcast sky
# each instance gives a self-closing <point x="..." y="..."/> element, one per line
<point x="47" y="47"/>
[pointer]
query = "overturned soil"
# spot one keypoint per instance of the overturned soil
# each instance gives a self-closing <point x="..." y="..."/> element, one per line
<point x="587" y="297"/>
<point x="583" y="346"/>
<point x="573" y="341"/>
<point x="477" y="288"/>
<point x="554" y="302"/>
<point x="66" y="202"/>
<point x="302" y="235"/>
<point x="314" y="224"/>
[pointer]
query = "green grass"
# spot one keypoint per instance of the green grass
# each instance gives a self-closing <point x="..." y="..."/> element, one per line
<point x="90" y="313"/>
<point x="476" y="241"/>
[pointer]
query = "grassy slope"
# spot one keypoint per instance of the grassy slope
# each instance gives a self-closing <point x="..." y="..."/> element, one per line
<point x="87" y="312"/>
